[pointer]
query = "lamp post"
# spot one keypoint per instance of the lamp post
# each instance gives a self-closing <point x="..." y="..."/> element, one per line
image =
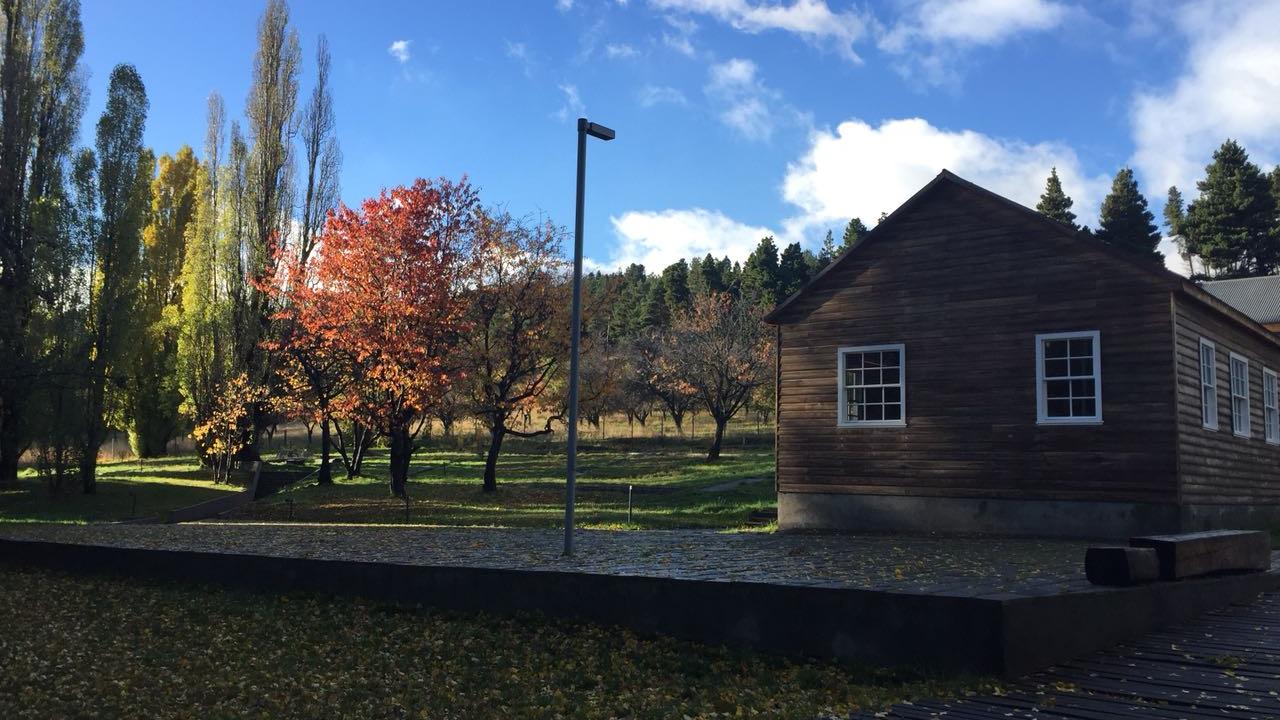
<point x="601" y="132"/>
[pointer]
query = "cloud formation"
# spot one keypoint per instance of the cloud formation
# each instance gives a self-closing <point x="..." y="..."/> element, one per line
<point x="400" y="51"/>
<point x="651" y="95"/>
<point x="812" y="20"/>
<point x="572" y="107"/>
<point x="657" y="239"/>
<point x="1229" y="88"/>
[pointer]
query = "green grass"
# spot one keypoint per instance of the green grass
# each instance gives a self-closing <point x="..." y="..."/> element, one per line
<point x="125" y="489"/>
<point x="667" y="490"/>
<point x="667" y="481"/>
<point x="100" y="646"/>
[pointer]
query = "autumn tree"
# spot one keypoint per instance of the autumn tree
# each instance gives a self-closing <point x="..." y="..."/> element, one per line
<point x="42" y="97"/>
<point x="518" y="330"/>
<point x="389" y="284"/>
<point x="152" y="397"/>
<point x="721" y="350"/>
<point x="654" y="367"/>
<point x="1054" y="202"/>
<point x="115" y="208"/>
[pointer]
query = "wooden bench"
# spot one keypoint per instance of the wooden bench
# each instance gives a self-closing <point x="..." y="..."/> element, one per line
<point x="1204" y="553"/>
<point x="1120" y="565"/>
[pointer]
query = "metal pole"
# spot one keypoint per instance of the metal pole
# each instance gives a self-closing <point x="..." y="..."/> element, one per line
<point x="575" y="339"/>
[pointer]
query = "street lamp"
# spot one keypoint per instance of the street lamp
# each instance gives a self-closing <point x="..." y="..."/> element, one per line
<point x="585" y="128"/>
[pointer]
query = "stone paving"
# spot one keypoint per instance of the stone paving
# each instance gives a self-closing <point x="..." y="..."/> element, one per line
<point x="968" y="567"/>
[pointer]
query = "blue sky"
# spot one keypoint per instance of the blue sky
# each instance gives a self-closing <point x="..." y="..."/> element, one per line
<point x="735" y="118"/>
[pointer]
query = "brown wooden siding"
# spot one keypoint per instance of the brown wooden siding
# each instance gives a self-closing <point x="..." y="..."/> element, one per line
<point x="1217" y="466"/>
<point x="965" y="283"/>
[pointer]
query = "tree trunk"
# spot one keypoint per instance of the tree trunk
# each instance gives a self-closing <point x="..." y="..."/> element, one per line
<point x="325" y="475"/>
<point x="401" y="450"/>
<point x="9" y="445"/>
<point x="93" y="435"/>
<point x="714" y="452"/>
<point x="496" y="435"/>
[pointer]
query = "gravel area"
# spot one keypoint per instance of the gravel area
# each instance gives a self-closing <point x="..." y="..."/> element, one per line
<point x="971" y="567"/>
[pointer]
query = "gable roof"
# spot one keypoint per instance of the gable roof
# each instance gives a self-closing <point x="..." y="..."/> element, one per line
<point x="1159" y="273"/>
<point x="1257" y="297"/>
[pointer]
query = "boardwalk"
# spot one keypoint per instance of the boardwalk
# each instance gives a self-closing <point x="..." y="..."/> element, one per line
<point x="1225" y="665"/>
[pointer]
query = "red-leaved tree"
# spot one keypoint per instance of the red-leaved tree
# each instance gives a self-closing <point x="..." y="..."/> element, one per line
<point x="384" y="300"/>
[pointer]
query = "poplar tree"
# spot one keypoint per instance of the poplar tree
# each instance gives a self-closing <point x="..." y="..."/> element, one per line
<point x="115" y="207"/>
<point x="1124" y="220"/>
<point x="41" y="100"/>
<point x="1231" y="224"/>
<point x="152" y="397"/>
<point x="1054" y="203"/>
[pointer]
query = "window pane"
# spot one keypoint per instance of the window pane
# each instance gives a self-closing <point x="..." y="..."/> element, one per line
<point x="1059" y="408"/>
<point x="893" y="411"/>
<point x="859" y="396"/>
<point x="1081" y="366"/>
<point x="870" y="377"/>
<point x="871" y="360"/>
<point x="853" y="361"/>
<point x="1055" y="348"/>
<point x="875" y="395"/>
<point x="1055" y="368"/>
<point x="1081" y="347"/>
<point x="889" y="358"/>
<point x="851" y="377"/>
<point x="1057" y="389"/>
<point x="893" y="394"/>
<point x="1082" y="408"/>
<point x="889" y="376"/>
<point x="1082" y="388"/>
<point x="875" y="412"/>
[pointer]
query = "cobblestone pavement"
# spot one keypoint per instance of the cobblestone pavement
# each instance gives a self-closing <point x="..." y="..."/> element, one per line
<point x="973" y="567"/>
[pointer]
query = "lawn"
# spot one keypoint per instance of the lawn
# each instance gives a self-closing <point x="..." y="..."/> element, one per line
<point x="670" y="483"/>
<point x="125" y="489"/>
<point x="81" y="646"/>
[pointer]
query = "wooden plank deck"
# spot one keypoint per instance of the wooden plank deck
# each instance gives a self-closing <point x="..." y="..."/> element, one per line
<point x="1224" y="665"/>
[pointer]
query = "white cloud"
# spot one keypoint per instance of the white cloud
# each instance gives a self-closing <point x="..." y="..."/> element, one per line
<point x="619" y="51"/>
<point x="812" y="20"/>
<point x="651" y="95"/>
<point x="564" y="5"/>
<point x="1229" y="88"/>
<point x="862" y="171"/>
<point x="400" y="50"/>
<point x="573" y="107"/>
<point x="657" y="239"/>
<point x="973" y="22"/>
<point x="681" y="34"/>
<point x="746" y="104"/>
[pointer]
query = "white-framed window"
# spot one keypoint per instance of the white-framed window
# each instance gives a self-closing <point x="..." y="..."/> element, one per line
<point x="1069" y="378"/>
<point x="1271" y="406"/>
<point x="1239" y="395"/>
<point x="1208" y="384"/>
<point x="872" y="386"/>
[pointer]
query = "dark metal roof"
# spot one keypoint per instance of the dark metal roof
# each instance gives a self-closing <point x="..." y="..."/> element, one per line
<point x="1257" y="297"/>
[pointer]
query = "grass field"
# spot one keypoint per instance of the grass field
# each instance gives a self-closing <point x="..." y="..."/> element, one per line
<point x="77" y="646"/>
<point x="668" y="482"/>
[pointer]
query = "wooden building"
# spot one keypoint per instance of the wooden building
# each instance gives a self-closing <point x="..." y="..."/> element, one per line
<point x="972" y="366"/>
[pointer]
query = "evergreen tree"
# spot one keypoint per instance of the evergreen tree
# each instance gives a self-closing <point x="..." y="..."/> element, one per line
<point x="1125" y="221"/>
<point x="793" y="271"/>
<point x="853" y="232"/>
<point x="760" y="274"/>
<point x="1054" y="203"/>
<point x="709" y="275"/>
<point x="828" y="251"/>
<point x="1174" y="219"/>
<point x="675" y="287"/>
<point x="1230" y="224"/>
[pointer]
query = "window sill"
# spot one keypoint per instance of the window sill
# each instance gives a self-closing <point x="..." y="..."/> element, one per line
<point x="873" y="424"/>
<point x="1050" y="422"/>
